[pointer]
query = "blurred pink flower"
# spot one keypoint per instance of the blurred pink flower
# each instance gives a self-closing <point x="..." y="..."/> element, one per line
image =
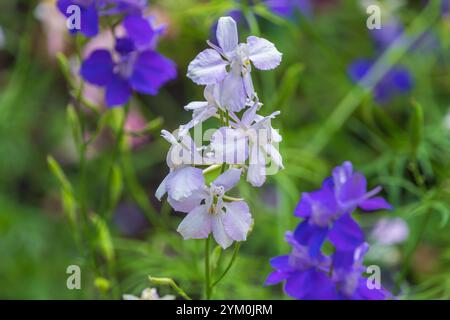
<point x="54" y="26"/>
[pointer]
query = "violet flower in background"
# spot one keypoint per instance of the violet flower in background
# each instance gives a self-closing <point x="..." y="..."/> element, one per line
<point x="398" y="80"/>
<point x="327" y="211"/>
<point x="327" y="216"/>
<point x="92" y="10"/>
<point x="283" y="8"/>
<point x="287" y="8"/>
<point x="135" y="66"/>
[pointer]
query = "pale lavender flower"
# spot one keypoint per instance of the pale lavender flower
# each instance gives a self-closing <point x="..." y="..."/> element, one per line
<point x="182" y="180"/>
<point x="208" y="212"/>
<point x="390" y="231"/>
<point x="229" y="64"/>
<point x="251" y="137"/>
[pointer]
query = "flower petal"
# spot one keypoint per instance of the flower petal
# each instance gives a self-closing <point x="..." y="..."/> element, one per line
<point x="208" y="67"/>
<point x="219" y="232"/>
<point x="98" y="68"/>
<point x="276" y="277"/>
<point x="376" y="203"/>
<point x="139" y="30"/>
<point x="118" y="92"/>
<point x="227" y="35"/>
<point x="346" y="234"/>
<point x="229" y="146"/>
<point x="233" y="95"/>
<point x="237" y="220"/>
<point x="256" y="173"/>
<point x="184" y="182"/>
<point x="197" y="224"/>
<point x="263" y="53"/>
<point x="229" y="178"/>
<point x="152" y="70"/>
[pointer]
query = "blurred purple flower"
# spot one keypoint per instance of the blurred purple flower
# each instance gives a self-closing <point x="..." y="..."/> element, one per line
<point x="347" y="276"/>
<point x="390" y="31"/>
<point x="287" y="8"/>
<point x="306" y="277"/>
<point x="92" y="10"/>
<point x="135" y="67"/>
<point x="390" y="231"/>
<point x="327" y="211"/>
<point x="396" y="81"/>
<point x="313" y="278"/>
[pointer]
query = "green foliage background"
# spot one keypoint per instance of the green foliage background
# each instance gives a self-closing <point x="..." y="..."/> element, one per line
<point x="325" y="120"/>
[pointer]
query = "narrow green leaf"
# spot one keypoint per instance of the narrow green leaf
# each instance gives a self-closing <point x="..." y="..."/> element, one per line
<point x="416" y="124"/>
<point x="103" y="237"/>
<point x="116" y="186"/>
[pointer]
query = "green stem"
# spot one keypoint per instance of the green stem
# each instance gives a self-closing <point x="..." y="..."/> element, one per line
<point x="230" y="264"/>
<point x="207" y="270"/>
<point x="105" y="203"/>
<point x="171" y="283"/>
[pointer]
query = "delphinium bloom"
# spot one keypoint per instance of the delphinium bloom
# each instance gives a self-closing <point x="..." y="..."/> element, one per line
<point x="92" y="10"/>
<point x="398" y="79"/>
<point x="135" y="65"/>
<point x="287" y="8"/>
<point x="229" y="64"/>
<point x="327" y="212"/>
<point x="251" y="137"/>
<point x="225" y="70"/>
<point x="208" y="212"/>
<point x="327" y="216"/>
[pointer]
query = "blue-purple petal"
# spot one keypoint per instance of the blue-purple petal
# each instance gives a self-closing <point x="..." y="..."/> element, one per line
<point x="151" y="71"/>
<point x="118" y="92"/>
<point x="98" y="68"/>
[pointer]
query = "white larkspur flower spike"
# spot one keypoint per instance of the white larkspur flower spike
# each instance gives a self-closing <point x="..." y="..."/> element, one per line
<point x="210" y="66"/>
<point x="227" y="221"/>
<point x="251" y="137"/>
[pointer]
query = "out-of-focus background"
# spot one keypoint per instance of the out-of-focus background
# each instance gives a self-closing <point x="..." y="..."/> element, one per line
<point x="398" y="136"/>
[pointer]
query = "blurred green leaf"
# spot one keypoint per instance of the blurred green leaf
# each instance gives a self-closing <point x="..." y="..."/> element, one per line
<point x="103" y="237"/>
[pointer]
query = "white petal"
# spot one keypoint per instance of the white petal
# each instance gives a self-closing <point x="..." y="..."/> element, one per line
<point x="188" y="204"/>
<point x="197" y="224"/>
<point x="229" y="178"/>
<point x="168" y="137"/>
<point x="162" y="189"/>
<point x="237" y="220"/>
<point x="227" y="34"/>
<point x="207" y="68"/>
<point x="233" y="95"/>
<point x="229" y="146"/>
<point x="183" y="182"/>
<point x="256" y="173"/>
<point x="275" y="155"/>
<point x="219" y="233"/>
<point x="195" y="105"/>
<point x="249" y="115"/>
<point x="199" y="116"/>
<point x="263" y="53"/>
<point x="248" y="85"/>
